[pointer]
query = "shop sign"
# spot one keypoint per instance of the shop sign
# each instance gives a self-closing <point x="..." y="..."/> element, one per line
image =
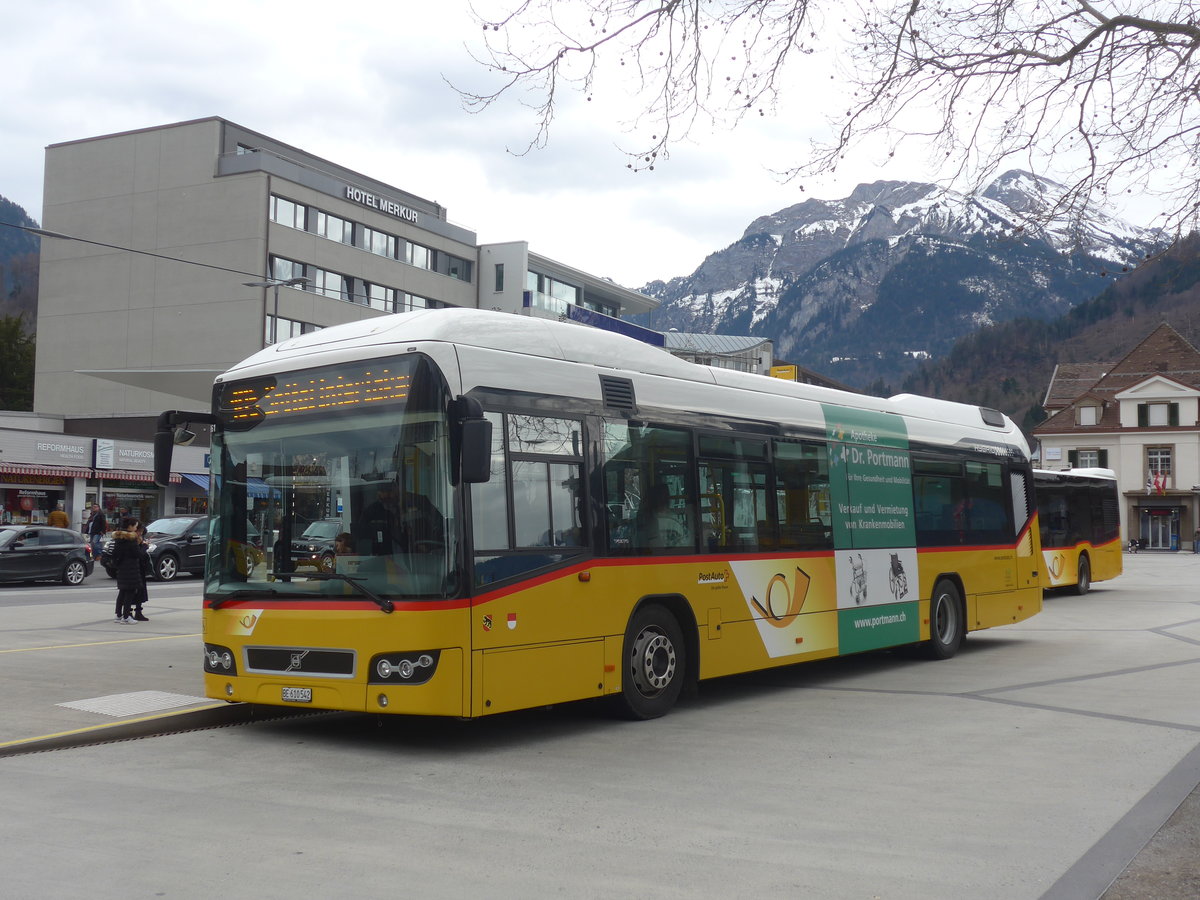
<point x="25" y="478"/>
<point x="44" y="449"/>
<point x="112" y="454"/>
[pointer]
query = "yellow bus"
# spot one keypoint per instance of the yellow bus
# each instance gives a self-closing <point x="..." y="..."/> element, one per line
<point x="1079" y="519"/>
<point x="533" y="512"/>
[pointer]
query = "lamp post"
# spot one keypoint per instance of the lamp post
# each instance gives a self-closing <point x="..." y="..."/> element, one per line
<point x="276" y="283"/>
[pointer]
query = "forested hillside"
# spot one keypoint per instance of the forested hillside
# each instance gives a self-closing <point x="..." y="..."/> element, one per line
<point x="18" y="265"/>
<point x="1008" y="366"/>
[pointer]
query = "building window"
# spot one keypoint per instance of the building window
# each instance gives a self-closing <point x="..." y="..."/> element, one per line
<point x="285" y="269"/>
<point x="287" y="212"/>
<point x="380" y="297"/>
<point x="1158" y="415"/>
<point x="1087" y="415"/>
<point x="1158" y="460"/>
<point x="416" y="255"/>
<point x="550" y="294"/>
<point x="334" y="228"/>
<point x="331" y="284"/>
<point x="1088" y="459"/>
<point x="355" y="234"/>
<point x="499" y="278"/>
<point x="287" y="328"/>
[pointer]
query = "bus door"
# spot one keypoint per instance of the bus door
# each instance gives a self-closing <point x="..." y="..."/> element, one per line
<point x="1028" y="559"/>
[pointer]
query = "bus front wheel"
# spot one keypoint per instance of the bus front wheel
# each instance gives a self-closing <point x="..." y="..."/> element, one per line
<point x="947" y="622"/>
<point x="1083" y="583"/>
<point x="655" y="663"/>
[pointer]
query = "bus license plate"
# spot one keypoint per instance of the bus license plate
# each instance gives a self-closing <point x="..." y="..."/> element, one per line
<point x="297" y="695"/>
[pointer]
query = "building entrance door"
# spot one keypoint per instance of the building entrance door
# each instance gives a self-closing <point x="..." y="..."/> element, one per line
<point x="1160" y="529"/>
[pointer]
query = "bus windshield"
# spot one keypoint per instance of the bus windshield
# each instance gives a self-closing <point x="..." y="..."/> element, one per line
<point x="344" y="472"/>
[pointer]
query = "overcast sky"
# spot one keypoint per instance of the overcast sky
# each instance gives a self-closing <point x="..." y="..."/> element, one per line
<point x="363" y="84"/>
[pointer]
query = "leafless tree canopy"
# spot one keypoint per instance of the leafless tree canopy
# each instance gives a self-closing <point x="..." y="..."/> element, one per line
<point x="1102" y="93"/>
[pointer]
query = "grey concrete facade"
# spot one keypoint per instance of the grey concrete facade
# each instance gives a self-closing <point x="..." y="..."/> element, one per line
<point x="147" y="298"/>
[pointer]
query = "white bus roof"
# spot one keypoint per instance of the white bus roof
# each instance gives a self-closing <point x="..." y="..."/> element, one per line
<point x="549" y="339"/>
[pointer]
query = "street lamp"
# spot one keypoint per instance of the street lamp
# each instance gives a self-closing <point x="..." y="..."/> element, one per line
<point x="276" y="283"/>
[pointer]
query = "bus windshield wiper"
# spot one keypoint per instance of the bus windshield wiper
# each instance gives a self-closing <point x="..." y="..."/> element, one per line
<point x="216" y="602"/>
<point x="356" y="581"/>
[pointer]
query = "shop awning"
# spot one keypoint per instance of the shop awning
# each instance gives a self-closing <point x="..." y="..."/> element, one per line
<point x="255" y="487"/>
<point x="132" y="475"/>
<point x="61" y="471"/>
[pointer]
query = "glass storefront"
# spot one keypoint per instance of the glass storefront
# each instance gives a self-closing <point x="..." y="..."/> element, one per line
<point x="29" y="504"/>
<point x="118" y="500"/>
<point x="1160" y="527"/>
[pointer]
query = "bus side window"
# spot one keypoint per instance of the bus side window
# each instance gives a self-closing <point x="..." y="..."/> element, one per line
<point x="802" y="505"/>
<point x="649" y="489"/>
<point x="733" y="485"/>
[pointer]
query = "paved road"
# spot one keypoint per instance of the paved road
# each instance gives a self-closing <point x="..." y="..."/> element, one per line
<point x="1038" y="763"/>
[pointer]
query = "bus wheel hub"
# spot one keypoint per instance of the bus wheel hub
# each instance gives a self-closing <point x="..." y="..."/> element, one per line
<point x="653" y="661"/>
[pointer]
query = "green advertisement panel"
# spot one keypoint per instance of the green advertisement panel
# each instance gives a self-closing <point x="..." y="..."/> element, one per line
<point x="871" y="627"/>
<point x="870" y="479"/>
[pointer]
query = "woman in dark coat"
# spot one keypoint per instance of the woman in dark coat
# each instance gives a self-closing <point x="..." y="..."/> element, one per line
<point x="127" y="555"/>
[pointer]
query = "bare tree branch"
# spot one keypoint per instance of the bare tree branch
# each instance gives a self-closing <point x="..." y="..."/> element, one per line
<point x="1107" y="98"/>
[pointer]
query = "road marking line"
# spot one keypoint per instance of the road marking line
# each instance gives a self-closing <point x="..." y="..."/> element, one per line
<point x="161" y="637"/>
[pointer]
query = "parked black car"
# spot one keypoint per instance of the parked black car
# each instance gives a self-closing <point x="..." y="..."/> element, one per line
<point x="39" y="552"/>
<point x="175" y="543"/>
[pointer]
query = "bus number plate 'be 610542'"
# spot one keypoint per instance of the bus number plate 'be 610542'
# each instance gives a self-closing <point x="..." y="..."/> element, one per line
<point x="297" y="695"/>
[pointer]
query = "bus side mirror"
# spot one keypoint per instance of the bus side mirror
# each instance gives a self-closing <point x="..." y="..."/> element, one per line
<point x="475" y="462"/>
<point x="164" y="446"/>
<point x="173" y="428"/>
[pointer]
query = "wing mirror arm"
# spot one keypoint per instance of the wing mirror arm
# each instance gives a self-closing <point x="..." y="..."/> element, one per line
<point x="174" y="428"/>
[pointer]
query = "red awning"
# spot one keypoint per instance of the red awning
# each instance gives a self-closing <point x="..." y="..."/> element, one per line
<point x="132" y="475"/>
<point x="60" y="471"/>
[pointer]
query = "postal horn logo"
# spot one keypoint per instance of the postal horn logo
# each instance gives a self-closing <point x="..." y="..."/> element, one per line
<point x="782" y="602"/>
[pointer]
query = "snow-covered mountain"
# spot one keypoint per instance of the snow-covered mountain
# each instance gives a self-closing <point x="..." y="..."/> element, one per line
<point x="860" y="288"/>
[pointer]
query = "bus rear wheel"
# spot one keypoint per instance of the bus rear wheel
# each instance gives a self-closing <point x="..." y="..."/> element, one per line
<point x="1083" y="583"/>
<point x="654" y="663"/>
<point x="947" y="622"/>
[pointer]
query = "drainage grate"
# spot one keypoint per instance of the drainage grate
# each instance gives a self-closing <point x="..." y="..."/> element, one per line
<point x="135" y="703"/>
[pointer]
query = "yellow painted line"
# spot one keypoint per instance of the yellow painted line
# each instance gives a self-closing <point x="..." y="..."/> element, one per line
<point x="97" y="728"/>
<point x="161" y="637"/>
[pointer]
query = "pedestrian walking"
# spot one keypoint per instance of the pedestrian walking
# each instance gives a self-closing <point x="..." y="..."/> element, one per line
<point x="96" y="528"/>
<point x="127" y="555"/>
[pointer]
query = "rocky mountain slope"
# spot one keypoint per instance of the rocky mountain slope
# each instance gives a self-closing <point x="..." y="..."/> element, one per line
<point x="865" y="287"/>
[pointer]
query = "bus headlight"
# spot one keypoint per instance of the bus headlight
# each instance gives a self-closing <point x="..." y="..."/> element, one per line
<point x="218" y="660"/>
<point x="403" y="668"/>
